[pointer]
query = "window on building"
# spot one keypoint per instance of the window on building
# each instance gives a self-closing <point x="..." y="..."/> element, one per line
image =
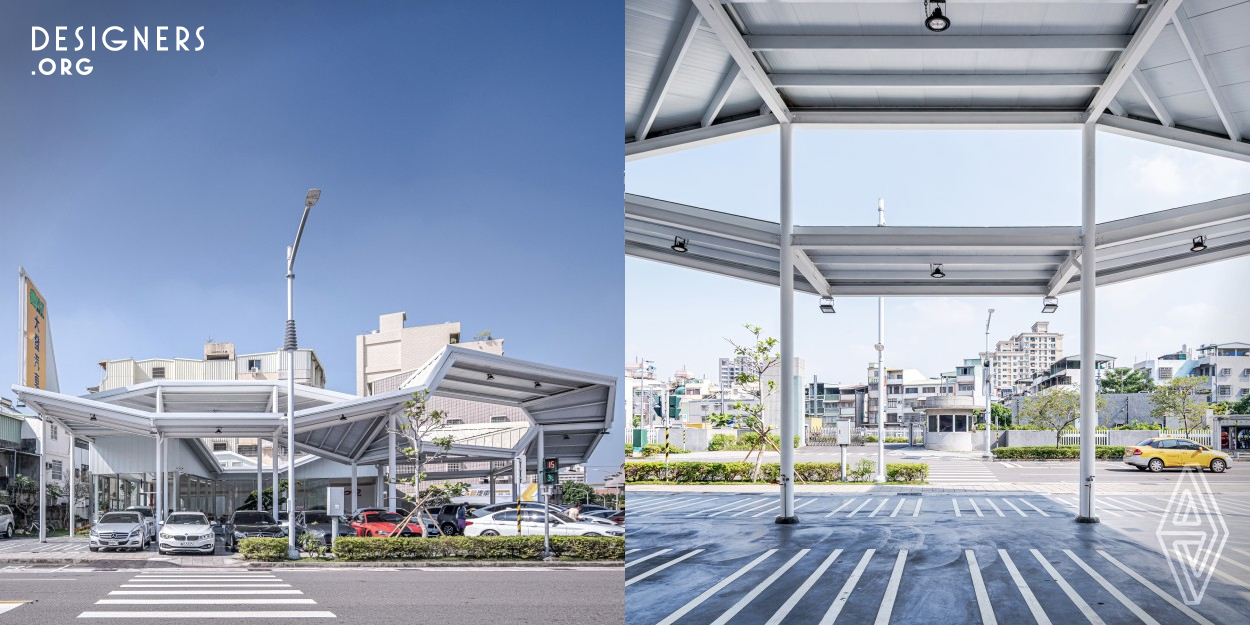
<point x="912" y="390"/>
<point x="1165" y="373"/>
<point x="253" y="364"/>
<point x="1225" y="391"/>
<point x="961" y="423"/>
<point x="945" y="423"/>
<point x="158" y="373"/>
<point x="57" y="471"/>
<point x="499" y="419"/>
<point x="1225" y="372"/>
<point x="928" y="389"/>
<point x="1245" y="373"/>
<point x="220" y="447"/>
<point x="54" y="432"/>
<point x="247" y="450"/>
<point x="454" y="422"/>
<point x="965" y="387"/>
<point x="454" y="466"/>
<point x="1243" y="392"/>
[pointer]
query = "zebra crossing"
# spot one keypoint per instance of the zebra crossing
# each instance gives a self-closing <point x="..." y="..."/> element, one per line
<point x="33" y="546"/>
<point x="205" y="594"/>
<point x="960" y="472"/>
<point x="880" y="586"/>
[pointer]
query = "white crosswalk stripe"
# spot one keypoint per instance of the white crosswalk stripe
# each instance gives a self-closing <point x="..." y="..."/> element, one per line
<point x="960" y="472"/>
<point x="175" y="594"/>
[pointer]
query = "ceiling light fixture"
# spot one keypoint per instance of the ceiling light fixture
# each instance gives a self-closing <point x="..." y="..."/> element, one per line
<point x="490" y="376"/>
<point x="1143" y="4"/>
<point x="93" y="417"/>
<point x="826" y="305"/>
<point x="218" y="431"/>
<point x="679" y="244"/>
<point x="937" y="271"/>
<point x="1200" y="243"/>
<point x="566" y="437"/>
<point x="538" y="385"/>
<point x="1050" y="304"/>
<point x="342" y="417"/>
<point x="936" y="21"/>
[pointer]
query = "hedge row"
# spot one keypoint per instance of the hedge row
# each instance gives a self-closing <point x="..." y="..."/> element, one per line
<point x="655" y="449"/>
<point x="479" y="548"/>
<point x="1065" y="452"/>
<point x="263" y="549"/>
<point x="741" y="471"/>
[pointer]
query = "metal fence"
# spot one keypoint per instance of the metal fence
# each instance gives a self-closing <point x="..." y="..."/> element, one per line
<point x="1101" y="436"/>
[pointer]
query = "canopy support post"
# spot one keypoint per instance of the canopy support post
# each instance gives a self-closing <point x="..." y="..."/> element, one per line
<point x="786" y="478"/>
<point x="1089" y="357"/>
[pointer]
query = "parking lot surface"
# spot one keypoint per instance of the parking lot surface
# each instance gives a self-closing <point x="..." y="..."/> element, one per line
<point x="925" y="557"/>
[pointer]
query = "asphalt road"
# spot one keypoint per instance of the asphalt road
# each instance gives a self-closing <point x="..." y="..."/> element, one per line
<point x="988" y="557"/>
<point x="554" y="596"/>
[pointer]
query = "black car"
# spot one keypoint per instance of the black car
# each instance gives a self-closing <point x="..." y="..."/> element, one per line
<point x="319" y="521"/>
<point x="449" y="517"/>
<point x="254" y="524"/>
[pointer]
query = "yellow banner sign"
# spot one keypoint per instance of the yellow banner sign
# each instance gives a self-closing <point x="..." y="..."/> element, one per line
<point x="36" y="338"/>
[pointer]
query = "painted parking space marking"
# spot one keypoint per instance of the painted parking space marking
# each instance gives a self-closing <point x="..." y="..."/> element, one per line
<point x="839" y="508"/>
<point x="976" y="507"/>
<point x="1102" y="581"/>
<point x="1068" y="590"/>
<point x="978" y="586"/>
<point x="861" y="507"/>
<point x="785" y="608"/>
<point x="753" y="501"/>
<point x="778" y="507"/>
<point x="731" y="505"/>
<point x="1176" y="603"/>
<point x="843" y="595"/>
<point x="1030" y="504"/>
<point x="231" y="601"/>
<point x="891" y="589"/>
<point x="901" y="501"/>
<point x="671" y="506"/>
<point x="767" y="503"/>
<point x="694" y="603"/>
<point x="955" y="505"/>
<point x="1000" y="512"/>
<point x="1013" y="507"/>
<point x="646" y="557"/>
<point x="878" y="508"/>
<point x="1029" y="599"/>
<point x="650" y="572"/>
<point x="205" y="614"/>
<point x="916" y="512"/>
<point x="760" y="588"/>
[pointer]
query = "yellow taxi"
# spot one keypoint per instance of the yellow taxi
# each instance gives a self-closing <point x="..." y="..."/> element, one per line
<point x="1157" y="454"/>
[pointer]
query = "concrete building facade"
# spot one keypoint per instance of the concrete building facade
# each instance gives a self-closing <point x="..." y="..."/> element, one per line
<point x="1023" y="357"/>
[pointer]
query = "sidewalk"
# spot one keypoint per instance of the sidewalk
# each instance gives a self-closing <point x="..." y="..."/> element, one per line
<point x="1047" y="488"/>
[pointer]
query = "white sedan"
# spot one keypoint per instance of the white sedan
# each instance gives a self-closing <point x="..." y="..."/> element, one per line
<point x="504" y="523"/>
<point x="187" y="531"/>
<point x="119" y="530"/>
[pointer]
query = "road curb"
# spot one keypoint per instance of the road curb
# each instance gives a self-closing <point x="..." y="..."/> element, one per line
<point x="414" y="564"/>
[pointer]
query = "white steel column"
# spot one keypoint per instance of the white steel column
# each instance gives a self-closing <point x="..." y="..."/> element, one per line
<point x="390" y="467"/>
<point x="290" y="504"/>
<point x="73" y="477"/>
<point x="880" y="476"/>
<point x="377" y="486"/>
<point x="355" y="488"/>
<point x="95" y="482"/>
<point x="260" y="473"/>
<point x="43" y="480"/>
<point x="986" y="385"/>
<point x="787" y="331"/>
<point x="492" y="488"/>
<point x="1089" y="357"/>
<point x="542" y="494"/>
<point x="158" y="479"/>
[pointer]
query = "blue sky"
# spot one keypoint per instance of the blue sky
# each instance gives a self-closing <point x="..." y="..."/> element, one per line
<point x="679" y="317"/>
<point x="464" y="176"/>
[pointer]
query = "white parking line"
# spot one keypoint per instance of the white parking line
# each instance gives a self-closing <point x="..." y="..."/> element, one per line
<point x="646" y="557"/>
<point x="1156" y="590"/>
<point x="657" y="569"/>
<point x="1029" y="599"/>
<point x="1102" y="581"/>
<point x="694" y="603"/>
<point x="1030" y="504"/>
<point x="629" y="551"/>
<point x="1013" y="507"/>
<point x="836" y="607"/>
<point x="1000" y="512"/>
<point x="210" y="592"/>
<point x="861" y="507"/>
<point x="891" y="589"/>
<point x="249" y="614"/>
<point x="755" y="592"/>
<point x="839" y="508"/>
<point x="667" y="503"/>
<point x="978" y="586"/>
<point x="802" y="590"/>
<point x="955" y="505"/>
<point x="231" y="601"/>
<point x="205" y="585"/>
<point x="670" y="508"/>
<point x="975" y="507"/>
<point x="1068" y="590"/>
<point x="898" y="507"/>
<point x="878" y="508"/>
<point x="731" y="505"/>
<point x="916" y="512"/>
<point x="751" y="509"/>
<point x="748" y="502"/>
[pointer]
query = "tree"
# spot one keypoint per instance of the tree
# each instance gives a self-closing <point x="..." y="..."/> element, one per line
<point x="576" y="492"/>
<point x="1056" y="408"/>
<point x="758" y="358"/>
<point x="266" y="498"/>
<point x="1000" y="414"/>
<point x="426" y="442"/>
<point x="1176" y="399"/>
<point x="484" y="335"/>
<point x="1239" y="407"/>
<point x="1126" y="380"/>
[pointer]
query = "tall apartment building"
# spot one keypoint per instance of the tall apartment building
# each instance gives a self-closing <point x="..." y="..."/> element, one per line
<point x="1023" y="357"/>
<point x="772" y="403"/>
<point x="730" y="369"/>
<point x="905" y="389"/>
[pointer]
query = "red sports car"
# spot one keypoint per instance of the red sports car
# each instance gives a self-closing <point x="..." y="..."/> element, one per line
<point x="383" y="524"/>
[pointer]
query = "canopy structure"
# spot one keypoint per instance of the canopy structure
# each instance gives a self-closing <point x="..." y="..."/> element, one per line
<point x="890" y="260"/>
<point x="573" y="409"/>
<point x="698" y="71"/>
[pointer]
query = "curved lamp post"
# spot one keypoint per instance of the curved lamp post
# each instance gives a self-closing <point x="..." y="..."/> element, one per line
<point x="289" y="346"/>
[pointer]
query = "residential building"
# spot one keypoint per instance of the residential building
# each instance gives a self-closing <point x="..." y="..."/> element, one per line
<point x="1227" y="367"/>
<point x="1018" y="360"/>
<point x="1163" y="368"/>
<point x="1066" y="372"/>
<point x="825" y="404"/>
<point x="905" y="391"/>
<point x="731" y="368"/>
<point x="772" y="402"/>
<point x="386" y="357"/>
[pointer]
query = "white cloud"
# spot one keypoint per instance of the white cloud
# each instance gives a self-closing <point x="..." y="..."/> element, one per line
<point x="1160" y="173"/>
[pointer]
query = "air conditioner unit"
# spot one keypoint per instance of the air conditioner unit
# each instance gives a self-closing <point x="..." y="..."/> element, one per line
<point x="254" y="369"/>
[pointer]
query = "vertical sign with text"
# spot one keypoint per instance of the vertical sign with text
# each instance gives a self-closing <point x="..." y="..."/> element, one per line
<point x="35" y="345"/>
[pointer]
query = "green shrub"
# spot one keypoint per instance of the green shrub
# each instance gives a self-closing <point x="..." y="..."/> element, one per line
<point x="686" y="472"/>
<point x="721" y="441"/>
<point x="896" y="439"/>
<point x="479" y="548"/>
<point x="1064" y="452"/>
<point x="1137" y="425"/>
<point x="263" y="549"/>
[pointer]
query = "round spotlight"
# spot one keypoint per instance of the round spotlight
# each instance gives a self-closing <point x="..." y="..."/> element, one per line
<point x="679" y="244"/>
<point x="1200" y="243"/>
<point x="937" y="272"/>
<point x="937" y="21"/>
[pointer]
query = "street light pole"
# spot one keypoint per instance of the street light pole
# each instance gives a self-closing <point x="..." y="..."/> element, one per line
<point x="289" y="345"/>
<point x="880" y="346"/>
<point x="987" y="386"/>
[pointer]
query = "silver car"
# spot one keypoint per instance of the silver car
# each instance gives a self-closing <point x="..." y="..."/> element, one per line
<point x="6" y="521"/>
<point x="119" y="530"/>
<point x="187" y="531"/>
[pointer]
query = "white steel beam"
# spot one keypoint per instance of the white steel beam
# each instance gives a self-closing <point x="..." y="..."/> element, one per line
<point x="1152" y="99"/>
<point x="878" y="43"/>
<point x="1157" y="17"/>
<point x="1116" y="108"/>
<point x="935" y="81"/>
<point x="1063" y="275"/>
<point x="971" y="2"/>
<point x="685" y="36"/>
<point x="729" y="36"/>
<point x="722" y="93"/>
<point x="811" y="273"/>
<point x="1193" y="46"/>
<point x="1175" y="137"/>
<point x="1173" y="220"/>
<point x="677" y="141"/>
<point x="939" y="238"/>
<point x="945" y="120"/>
